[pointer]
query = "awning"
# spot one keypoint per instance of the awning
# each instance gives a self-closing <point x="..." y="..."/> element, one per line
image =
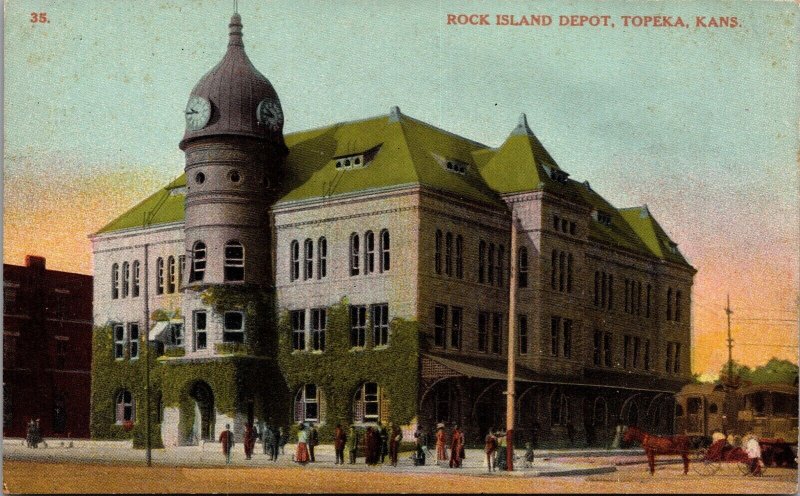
<point x="470" y="370"/>
<point x="157" y="330"/>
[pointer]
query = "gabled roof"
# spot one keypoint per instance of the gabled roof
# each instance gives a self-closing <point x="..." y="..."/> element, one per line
<point x="163" y="207"/>
<point x="650" y="232"/>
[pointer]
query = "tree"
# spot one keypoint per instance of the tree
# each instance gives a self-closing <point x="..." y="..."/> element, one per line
<point x="775" y="370"/>
<point x="740" y="373"/>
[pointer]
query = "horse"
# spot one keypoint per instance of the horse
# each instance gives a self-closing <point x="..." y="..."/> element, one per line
<point x="665" y="445"/>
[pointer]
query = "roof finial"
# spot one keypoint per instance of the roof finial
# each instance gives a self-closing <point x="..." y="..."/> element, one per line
<point x="394" y="114"/>
<point x="235" y="29"/>
<point x="235" y="6"/>
<point x="522" y="126"/>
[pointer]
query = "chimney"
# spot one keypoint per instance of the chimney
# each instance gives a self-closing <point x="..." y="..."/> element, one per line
<point x="35" y="262"/>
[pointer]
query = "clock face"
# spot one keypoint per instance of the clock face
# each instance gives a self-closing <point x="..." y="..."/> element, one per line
<point x="198" y="111"/>
<point x="269" y="114"/>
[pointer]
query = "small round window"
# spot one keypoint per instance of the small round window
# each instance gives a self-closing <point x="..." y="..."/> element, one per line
<point x="235" y="176"/>
<point x="199" y="178"/>
<point x="712" y="408"/>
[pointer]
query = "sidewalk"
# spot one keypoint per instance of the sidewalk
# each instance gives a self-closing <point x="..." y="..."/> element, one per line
<point x="547" y="463"/>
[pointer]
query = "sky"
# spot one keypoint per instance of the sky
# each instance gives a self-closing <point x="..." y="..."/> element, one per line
<point x="700" y="124"/>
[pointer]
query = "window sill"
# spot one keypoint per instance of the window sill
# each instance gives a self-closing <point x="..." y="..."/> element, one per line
<point x="381" y="347"/>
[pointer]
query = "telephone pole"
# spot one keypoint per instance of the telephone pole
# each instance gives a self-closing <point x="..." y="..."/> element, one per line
<point x="512" y="320"/>
<point x="728" y="312"/>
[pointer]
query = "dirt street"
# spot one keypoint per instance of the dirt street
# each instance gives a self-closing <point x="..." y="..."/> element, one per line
<point x="38" y="477"/>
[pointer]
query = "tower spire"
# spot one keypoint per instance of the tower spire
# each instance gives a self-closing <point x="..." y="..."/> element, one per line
<point x="235" y="29"/>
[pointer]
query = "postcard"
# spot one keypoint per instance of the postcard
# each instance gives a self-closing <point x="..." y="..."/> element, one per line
<point x="361" y="246"/>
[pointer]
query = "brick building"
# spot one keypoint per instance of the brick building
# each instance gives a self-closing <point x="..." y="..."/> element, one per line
<point x="47" y="356"/>
<point x="409" y="228"/>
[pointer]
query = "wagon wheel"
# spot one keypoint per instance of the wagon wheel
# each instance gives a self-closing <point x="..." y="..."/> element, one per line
<point x="744" y="468"/>
<point x="703" y="465"/>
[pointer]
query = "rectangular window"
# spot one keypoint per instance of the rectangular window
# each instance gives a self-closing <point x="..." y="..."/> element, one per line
<point x="598" y="347"/>
<point x="500" y="265"/>
<point x="554" y="269"/>
<point x="119" y="341"/>
<point x="459" y="257"/>
<point x="171" y="275"/>
<point x="596" y="288"/>
<point x="636" y="344"/>
<point x="200" y="337"/>
<point x="669" y="304"/>
<point x="358" y="326"/>
<point x="610" y="292"/>
<point x="626" y="348"/>
<point x="233" y="330"/>
<point x="647" y="354"/>
<point x="310" y="401"/>
<point x="490" y="265"/>
<point x="308" y="265"/>
<point x="522" y="325"/>
<point x="483" y="331"/>
<point x="556" y="222"/>
<point x="677" y="359"/>
<point x="318" y="325"/>
<point x="569" y="272"/>
<point x="567" y="334"/>
<point x="608" y="351"/>
<point x="647" y="310"/>
<point x="181" y="272"/>
<point x="440" y="326"/>
<point x="555" y="325"/>
<point x="668" y="362"/>
<point x="677" y="306"/>
<point x="627" y="295"/>
<point x="61" y="352"/>
<point x="380" y="324"/>
<point x="437" y="257"/>
<point x="497" y="324"/>
<point x="175" y="334"/>
<point x="298" y="329"/>
<point x="448" y="254"/>
<point x="133" y="339"/>
<point x="160" y="276"/>
<point x="455" y="327"/>
<point x="322" y="263"/>
<point x="369" y="252"/>
<point x="371" y="402"/>
<point x="481" y="261"/>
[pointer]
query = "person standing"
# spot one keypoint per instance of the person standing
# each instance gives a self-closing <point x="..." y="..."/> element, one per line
<point x="753" y="449"/>
<point x="283" y="438"/>
<point x="351" y="444"/>
<point x="226" y="439"/>
<point x="419" y="440"/>
<point x="383" y="436"/>
<point x="339" y="440"/>
<point x="301" y="454"/>
<point x="29" y="434"/>
<point x="441" y="449"/>
<point x="456" y="443"/>
<point x="249" y="440"/>
<point x="490" y="448"/>
<point x="267" y="440"/>
<point x="394" y="444"/>
<point x="313" y="441"/>
<point x="373" y="446"/>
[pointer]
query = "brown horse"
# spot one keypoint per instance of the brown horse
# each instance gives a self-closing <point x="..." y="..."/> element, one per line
<point x="664" y="445"/>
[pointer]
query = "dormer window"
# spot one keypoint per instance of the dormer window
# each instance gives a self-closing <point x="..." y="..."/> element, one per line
<point x="602" y="217"/>
<point x="555" y="173"/>
<point x="673" y="248"/>
<point x="356" y="160"/>
<point x="456" y="166"/>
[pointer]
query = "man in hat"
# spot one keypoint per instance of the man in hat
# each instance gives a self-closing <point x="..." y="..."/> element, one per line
<point x="753" y="449"/>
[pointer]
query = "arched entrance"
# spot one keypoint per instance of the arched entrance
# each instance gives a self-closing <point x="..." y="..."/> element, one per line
<point x="629" y="413"/>
<point x="203" y="399"/>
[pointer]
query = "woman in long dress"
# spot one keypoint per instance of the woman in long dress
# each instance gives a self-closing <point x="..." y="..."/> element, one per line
<point x="456" y="444"/>
<point x="441" y="443"/>
<point x="301" y="456"/>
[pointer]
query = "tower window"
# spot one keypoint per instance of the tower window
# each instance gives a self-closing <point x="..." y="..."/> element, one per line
<point x="199" y="178"/>
<point x="233" y="331"/>
<point x="198" y="261"/>
<point x="234" y="176"/>
<point x="234" y="261"/>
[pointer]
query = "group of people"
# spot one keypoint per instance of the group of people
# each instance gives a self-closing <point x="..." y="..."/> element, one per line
<point x="721" y="446"/>
<point x="33" y="434"/>
<point x="456" y="446"/>
<point x="273" y="440"/>
<point x="378" y="443"/>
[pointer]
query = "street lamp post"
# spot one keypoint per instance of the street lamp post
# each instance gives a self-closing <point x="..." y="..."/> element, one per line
<point x="512" y="310"/>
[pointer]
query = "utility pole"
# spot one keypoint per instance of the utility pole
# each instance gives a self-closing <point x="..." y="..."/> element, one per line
<point x="728" y="312"/>
<point x="512" y="319"/>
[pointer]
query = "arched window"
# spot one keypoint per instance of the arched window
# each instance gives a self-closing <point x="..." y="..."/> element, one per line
<point x="171" y="275"/>
<point x="294" y="260"/>
<point x="125" y="407"/>
<point x="308" y="255"/>
<point x="135" y="279"/>
<point x="481" y="261"/>
<point x="234" y="261"/>
<point x="369" y="252"/>
<point x="198" y="261"/>
<point x="437" y="258"/>
<point x="559" y="408"/>
<point x="354" y="254"/>
<point x="448" y="254"/>
<point x="459" y="257"/>
<point x="501" y="253"/>
<point x="181" y="270"/>
<point x="126" y="277"/>
<point x="370" y="404"/>
<point x="115" y="281"/>
<point x="522" y="268"/>
<point x="308" y="404"/>
<point x="322" y="258"/>
<point x="386" y="259"/>
<point x="160" y="275"/>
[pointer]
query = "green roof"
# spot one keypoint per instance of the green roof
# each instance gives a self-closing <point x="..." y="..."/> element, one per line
<point x="397" y="150"/>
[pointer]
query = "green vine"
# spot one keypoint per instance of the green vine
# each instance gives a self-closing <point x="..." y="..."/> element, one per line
<point x="258" y="306"/>
<point x="339" y="371"/>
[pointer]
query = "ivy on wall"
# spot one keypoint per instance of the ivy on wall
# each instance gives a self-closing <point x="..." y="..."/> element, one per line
<point x="258" y="306"/>
<point x="109" y="377"/>
<point x="339" y="371"/>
